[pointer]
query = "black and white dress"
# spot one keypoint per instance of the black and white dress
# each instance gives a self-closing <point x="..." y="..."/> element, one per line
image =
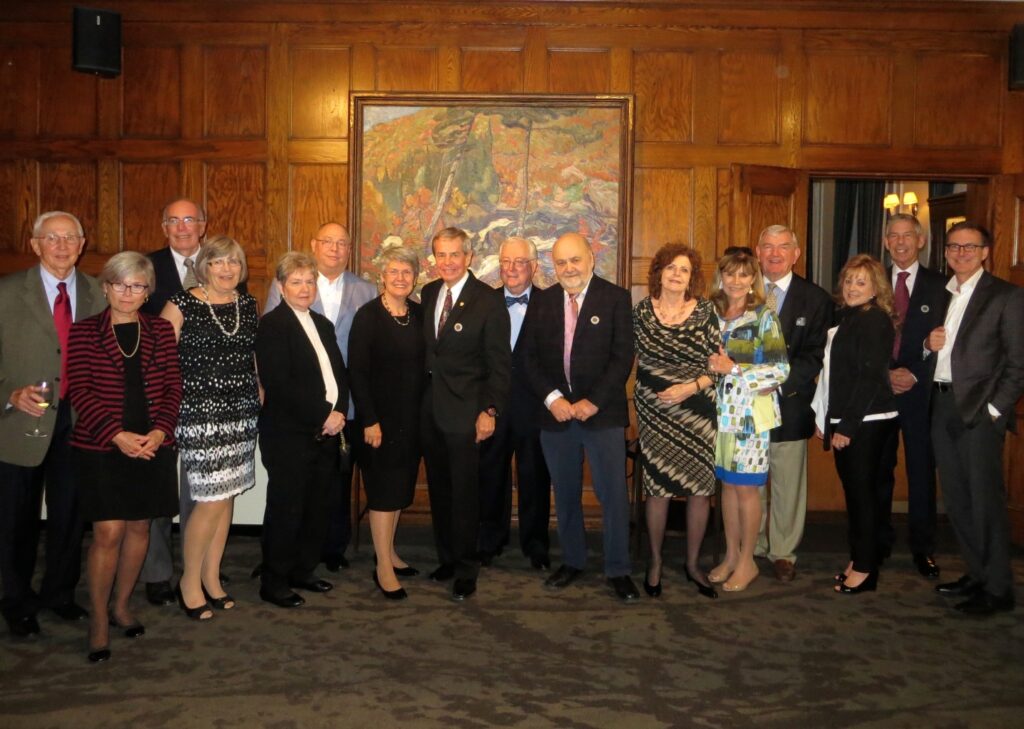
<point x="220" y="400"/>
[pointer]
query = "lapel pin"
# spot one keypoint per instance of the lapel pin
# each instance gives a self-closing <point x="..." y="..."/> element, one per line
<point x="595" y="320"/>
<point x="925" y="308"/>
<point x="802" y="321"/>
<point x="462" y="303"/>
<point x="458" y="326"/>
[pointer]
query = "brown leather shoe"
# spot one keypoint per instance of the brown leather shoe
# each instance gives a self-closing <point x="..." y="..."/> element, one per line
<point x="784" y="570"/>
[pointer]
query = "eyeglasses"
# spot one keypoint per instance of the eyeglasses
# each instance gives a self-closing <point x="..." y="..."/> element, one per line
<point x="136" y="289"/>
<point x="963" y="247"/>
<point x="224" y="263"/>
<point x="332" y="243"/>
<point x="515" y="262"/>
<point x="52" y="239"/>
<point x="188" y="221"/>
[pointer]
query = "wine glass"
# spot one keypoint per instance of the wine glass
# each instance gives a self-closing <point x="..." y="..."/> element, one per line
<point x="46" y="391"/>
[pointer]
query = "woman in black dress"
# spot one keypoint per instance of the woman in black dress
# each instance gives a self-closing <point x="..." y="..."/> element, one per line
<point x="386" y="354"/>
<point x="125" y="385"/>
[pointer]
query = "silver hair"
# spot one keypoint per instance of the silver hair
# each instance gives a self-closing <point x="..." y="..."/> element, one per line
<point x="918" y="228"/>
<point x="778" y="230"/>
<point x="453" y="234"/>
<point x="293" y="261"/>
<point x="37" y="226"/>
<point x="517" y="239"/>
<point x="401" y="254"/>
<point x="128" y="263"/>
<point x="220" y="246"/>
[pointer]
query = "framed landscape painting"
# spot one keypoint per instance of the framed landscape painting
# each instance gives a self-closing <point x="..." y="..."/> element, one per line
<point x="532" y="166"/>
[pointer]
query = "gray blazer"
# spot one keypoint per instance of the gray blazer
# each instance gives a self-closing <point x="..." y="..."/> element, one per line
<point x="355" y="292"/>
<point x="30" y="351"/>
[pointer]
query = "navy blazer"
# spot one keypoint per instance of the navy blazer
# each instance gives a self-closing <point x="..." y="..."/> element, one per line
<point x="524" y="408"/>
<point x="926" y="311"/>
<point x="601" y="357"/>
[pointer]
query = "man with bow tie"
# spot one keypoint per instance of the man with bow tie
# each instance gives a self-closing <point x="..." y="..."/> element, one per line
<point x="517" y="432"/>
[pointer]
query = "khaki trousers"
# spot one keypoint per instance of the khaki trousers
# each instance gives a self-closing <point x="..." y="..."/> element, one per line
<point x="782" y="520"/>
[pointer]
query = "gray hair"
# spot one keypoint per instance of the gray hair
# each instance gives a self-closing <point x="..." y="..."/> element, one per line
<point x="293" y="261"/>
<point x="198" y="207"/>
<point x="220" y="246"/>
<point x="778" y="230"/>
<point x="453" y="234"/>
<point x="401" y="254"/>
<point x="37" y="226"/>
<point x="128" y="263"/>
<point x="517" y="239"/>
<point x="918" y="228"/>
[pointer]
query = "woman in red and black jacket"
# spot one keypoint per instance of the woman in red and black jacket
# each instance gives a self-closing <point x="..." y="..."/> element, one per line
<point x="125" y="386"/>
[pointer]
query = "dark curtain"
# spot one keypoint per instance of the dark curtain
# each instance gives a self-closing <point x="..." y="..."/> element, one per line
<point x="857" y="202"/>
<point x="940" y="188"/>
<point x="842" y="225"/>
<point x="870" y="217"/>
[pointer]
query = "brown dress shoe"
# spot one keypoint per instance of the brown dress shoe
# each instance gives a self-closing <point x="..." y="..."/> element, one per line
<point x="784" y="570"/>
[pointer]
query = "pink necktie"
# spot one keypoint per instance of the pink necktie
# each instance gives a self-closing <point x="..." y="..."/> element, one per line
<point x="901" y="299"/>
<point x="572" y="313"/>
<point x="445" y="311"/>
<point x="62" y="322"/>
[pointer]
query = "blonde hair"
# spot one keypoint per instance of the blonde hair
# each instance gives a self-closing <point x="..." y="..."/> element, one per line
<point x="741" y="258"/>
<point x="879" y="281"/>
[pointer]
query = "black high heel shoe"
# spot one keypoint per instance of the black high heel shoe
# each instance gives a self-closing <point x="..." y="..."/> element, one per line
<point x="707" y="591"/>
<point x="219" y="603"/>
<point x="399" y="594"/>
<point x="870" y="584"/>
<point x="98" y="655"/>
<point x="407" y="571"/>
<point x="195" y="613"/>
<point x="134" y="630"/>
<point x="651" y="590"/>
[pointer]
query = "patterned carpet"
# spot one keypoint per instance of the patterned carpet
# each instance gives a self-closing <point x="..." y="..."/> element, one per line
<point x="516" y="655"/>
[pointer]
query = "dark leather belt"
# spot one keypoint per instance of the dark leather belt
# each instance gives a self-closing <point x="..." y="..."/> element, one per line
<point x="943" y="386"/>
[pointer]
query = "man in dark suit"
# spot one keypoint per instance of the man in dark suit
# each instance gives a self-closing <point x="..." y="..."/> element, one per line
<point x="579" y="355"/>
<point x="37" y="308"/>
<point x="978" y="378"/>
<point x="468" y="363"/>
<point x="517" y="432"/>
<point x="920" y="298"/>
<point x="805" y="312"/>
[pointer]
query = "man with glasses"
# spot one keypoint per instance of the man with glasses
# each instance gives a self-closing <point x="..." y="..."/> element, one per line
<point x="339" y="294"/>
<point x="978" y="356"/>
<point x="919" y="295"/>
<point x="518" y="432"/>
<point x="37" y="308"/>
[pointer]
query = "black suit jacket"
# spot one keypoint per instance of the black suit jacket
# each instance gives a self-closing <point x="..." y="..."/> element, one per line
<point x="988" y="354"/>
<point x="469" y="364"/>
<point x="602" y="352"/>
<point x="807" y="313"/>
<point x="525" y="409"/>
<point x="294" y="391"/>
<point x="926" y="311"/>
<point x="167" y="281"/>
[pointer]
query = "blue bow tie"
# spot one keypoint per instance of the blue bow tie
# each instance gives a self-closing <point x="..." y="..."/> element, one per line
<point x="524" y="300"/>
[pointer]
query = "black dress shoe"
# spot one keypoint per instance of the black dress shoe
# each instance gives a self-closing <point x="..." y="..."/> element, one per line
<point x="982" y="603"/>
<point x="99" y="655"/>
<point x="136" y="630"/>
<point x="707" y="591"/>
<point x="22" y="626"/>
<point x="70" y="611"/>
<point x="964" y="587"/>
<point x="407" y="571"/>
<point x="463" y="589"/>
<point x="257" y="571"/>
<point x="624" y="588"/>
<point x="335" y="562"/>
<point x="926" y="566"/>
<point x="284" y="600"/>
<point x="443" y="573"/>
<point x="159" y="593"/>
<point x="399" y="594"/>
<point x="540" y="562"/>
<point x="870" y="584"/>
<point x="313" y="584"/>
<point x="563" y="577"/>
<point x="652" y="590"/>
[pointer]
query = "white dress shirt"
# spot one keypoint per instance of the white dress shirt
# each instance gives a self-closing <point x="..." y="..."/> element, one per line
<point x="516" y="314"/>
<point x="179" y="263"/>
<point x="330" y="295"/>
<point x="456" y="291"/>
<point x="911" y="279"/>
<point x="330" y="384"/>
<point x="555" y="394"/>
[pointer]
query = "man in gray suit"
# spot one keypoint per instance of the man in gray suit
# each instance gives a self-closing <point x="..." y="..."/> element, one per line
<point x="979" y="376"/>
<point x="37" y="307"/>
<point x="339" y="294"/>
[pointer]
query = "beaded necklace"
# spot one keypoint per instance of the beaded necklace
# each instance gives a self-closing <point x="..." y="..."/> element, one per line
<point x="398" y="321"/>
<point x="213" y="314"/>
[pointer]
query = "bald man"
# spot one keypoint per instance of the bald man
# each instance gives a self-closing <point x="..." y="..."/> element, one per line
<point x="578" y="357"/>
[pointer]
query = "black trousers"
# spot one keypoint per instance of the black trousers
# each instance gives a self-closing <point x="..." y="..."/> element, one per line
<point x="532" y="481"/>
<point x="300" y="474"/>
<point x="339" y="525"/>
<point x="453" y="484"/>
<point x="971" y="470"/>
<point x="21" y="494"/>
<point x="860" y="469"/>
<point x="919" y="459"/>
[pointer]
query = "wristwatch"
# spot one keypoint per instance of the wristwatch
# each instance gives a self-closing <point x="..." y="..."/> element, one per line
<point x="735" y="370"/>
<point x="492" y="411"/>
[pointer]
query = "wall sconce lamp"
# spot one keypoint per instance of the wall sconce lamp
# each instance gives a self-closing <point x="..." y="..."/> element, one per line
<point x="892" y="201"/>
<point x="910" y="198"/>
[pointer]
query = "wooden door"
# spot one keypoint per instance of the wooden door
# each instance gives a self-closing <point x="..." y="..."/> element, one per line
<point x="763" y="196"/>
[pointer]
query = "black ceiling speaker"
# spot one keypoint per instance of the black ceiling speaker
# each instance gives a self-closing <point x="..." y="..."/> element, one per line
<point x="1017" y="57"/>
<point x="96" y="42"/>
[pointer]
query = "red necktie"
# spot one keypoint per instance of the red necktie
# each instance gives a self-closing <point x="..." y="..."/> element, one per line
<point x="62" y="322"/>
<point x="446" y="310"/>
<point x="901" y="300"/>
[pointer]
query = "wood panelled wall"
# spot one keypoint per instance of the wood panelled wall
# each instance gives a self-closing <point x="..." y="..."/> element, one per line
<point x="245" y="106"/>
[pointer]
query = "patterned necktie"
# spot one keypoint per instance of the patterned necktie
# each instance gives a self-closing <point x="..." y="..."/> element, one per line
<point x="524" y="299"/>
<point x="62" y="322"/>
<point x="190" y="281"/>
<point x="571" y="315"/>
<point x="772" y="297"/>
<point x="446" y="310"/>
<point x="901" y="299"/>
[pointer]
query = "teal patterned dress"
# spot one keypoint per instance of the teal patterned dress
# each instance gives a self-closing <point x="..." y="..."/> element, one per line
<point x="754" y="341"/>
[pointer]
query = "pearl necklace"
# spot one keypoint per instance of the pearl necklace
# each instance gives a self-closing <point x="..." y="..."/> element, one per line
<point x="399" y="322"/>
<point x="213" y="314"/>
<point x="138" y="338"/>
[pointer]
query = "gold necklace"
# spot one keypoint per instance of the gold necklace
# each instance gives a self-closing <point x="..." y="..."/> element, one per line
<point x="138" y="338"/>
